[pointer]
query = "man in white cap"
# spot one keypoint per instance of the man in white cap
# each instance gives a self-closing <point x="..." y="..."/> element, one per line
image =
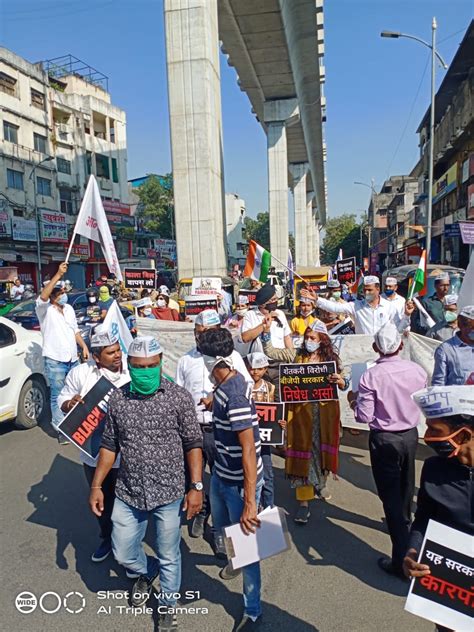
<point x="391" y="294"/>
<point x="447" y="328"/>
<point x="454" y="359"/>
<point x="370" y="313"/>
<point x="191" y="373"/>
<point x="106" y="362"/>
<point x="152" y="423"/>
<point x="434" y="303"/>
<point x="236" y="320"/>
<point x="445" y="493"/>
<point x="384" y="403"/>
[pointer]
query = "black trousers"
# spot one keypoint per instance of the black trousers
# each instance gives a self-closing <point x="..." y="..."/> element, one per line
<point x="209" y="456"/>
<point x="392" y="455"/>
<point x="108" y="488"/>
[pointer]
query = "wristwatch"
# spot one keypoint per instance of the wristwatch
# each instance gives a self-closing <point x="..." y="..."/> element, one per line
<point x="198" y="486"/>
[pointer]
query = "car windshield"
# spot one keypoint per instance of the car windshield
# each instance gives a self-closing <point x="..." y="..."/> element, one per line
<point x="24" y="309"/>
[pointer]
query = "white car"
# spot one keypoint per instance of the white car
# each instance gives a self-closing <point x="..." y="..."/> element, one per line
<point x="23" y="386"/>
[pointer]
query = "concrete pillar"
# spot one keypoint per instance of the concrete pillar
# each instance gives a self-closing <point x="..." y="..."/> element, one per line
<point x="275" y="115"/>
<point x="299" y="171"/>
<point x="309" y="227"/>
<point x="192" y="54"/>
<point x="316" y="242"/>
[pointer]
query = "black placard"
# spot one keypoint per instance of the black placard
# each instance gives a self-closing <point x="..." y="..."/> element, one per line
<point x="269" y="414"/>
<point x="346" y="270"/>
<point x="84" y="425"/>
<point x="451" y="580"/>
<point x="307" y="382"/>
<point x="343" y="329"/>
<point x="251" y="295"/>
<point x="194" y="307"/>
<point x="139" y="277"/>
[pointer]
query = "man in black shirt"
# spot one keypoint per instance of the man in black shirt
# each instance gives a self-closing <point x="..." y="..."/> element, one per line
<point x="446" y="487"/>
<point x="152" y="423"/>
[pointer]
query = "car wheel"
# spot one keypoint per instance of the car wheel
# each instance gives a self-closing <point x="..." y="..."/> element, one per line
<point x="31" y="403"/>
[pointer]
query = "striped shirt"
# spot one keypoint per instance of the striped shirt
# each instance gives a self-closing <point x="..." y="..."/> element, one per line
<point x="233" y="411"/>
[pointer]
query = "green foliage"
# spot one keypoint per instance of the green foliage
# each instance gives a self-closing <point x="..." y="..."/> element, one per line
<point x="156" y="207"/>
<point x="341" y="232"/>
<point x="258" y="229"/>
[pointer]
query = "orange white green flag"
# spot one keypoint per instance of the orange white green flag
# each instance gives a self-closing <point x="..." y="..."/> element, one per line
<point x="419" y="280"/>
<point x="258" y="262"/>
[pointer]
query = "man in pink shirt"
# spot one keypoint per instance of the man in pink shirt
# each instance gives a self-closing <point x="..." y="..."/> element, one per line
<point x="384" y="402"/>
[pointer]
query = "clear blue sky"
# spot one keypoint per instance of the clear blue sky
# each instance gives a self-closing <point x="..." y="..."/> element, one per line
<point x="371" y="83"/>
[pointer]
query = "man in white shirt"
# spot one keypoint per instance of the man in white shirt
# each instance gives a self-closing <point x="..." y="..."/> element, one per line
<point x="390" y="293"/>
<point x="17" y="290"/>
<point x="106" y="362"/>
<point x="370" y="313"/>
<point x="60" y="338"/>
<point x="192" y="374"/>
<point x="253" y="324"/>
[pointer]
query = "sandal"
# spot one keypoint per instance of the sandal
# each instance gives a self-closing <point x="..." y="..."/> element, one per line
<point x="302" y="515"/>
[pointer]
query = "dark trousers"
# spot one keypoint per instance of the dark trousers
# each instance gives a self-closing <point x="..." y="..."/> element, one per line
<point x="108" y="488"/>
<point x="267" y="497"/>
<point x="209" y="456"/>
<point x="392" y="455"/>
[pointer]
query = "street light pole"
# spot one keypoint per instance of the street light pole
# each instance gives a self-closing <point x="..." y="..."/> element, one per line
<point x="37" y="220"/>
<point x="434" y="54"/>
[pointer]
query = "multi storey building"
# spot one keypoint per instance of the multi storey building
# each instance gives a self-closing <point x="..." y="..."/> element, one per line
<point x="57" y="127"/>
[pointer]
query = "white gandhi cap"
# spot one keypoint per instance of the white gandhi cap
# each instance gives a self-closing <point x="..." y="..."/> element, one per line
<point x="144" y="347"/>
<point x="388" y="339"/>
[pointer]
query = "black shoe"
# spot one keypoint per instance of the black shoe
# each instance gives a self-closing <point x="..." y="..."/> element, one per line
<point x="62" y="439"/>
<point x="167" y="622"/>
<point x="385" y="563"/>
<point x="302" y="515"/>
<point x="199" y="525"/>
<point x="141" y="591"/>
<point x="248" y="624"/>
<point x="229" y="573"/>
<point x="219" y="547"/>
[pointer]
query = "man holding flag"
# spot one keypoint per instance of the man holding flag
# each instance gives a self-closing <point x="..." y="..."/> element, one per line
<point x="92" y="223"/>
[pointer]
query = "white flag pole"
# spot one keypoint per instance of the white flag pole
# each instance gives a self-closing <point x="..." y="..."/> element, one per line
<point x="71" y="244"/>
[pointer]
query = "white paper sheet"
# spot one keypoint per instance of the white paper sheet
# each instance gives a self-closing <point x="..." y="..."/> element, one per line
<point x="269" y="539"/>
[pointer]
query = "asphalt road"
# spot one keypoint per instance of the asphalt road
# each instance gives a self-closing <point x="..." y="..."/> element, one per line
<point x="327" y="582"/>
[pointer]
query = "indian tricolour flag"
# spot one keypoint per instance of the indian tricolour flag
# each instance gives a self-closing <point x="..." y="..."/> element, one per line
<point x="419" y="280"/>
<point x="258" y="262"/>
<point x="359" y="284"/>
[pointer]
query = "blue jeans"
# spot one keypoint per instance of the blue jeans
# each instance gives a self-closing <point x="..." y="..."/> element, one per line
<point x="227" y="503"/>
<point x="129" y="527"/>
<point x="267" y="499"/>
<point x="56" y="373"/>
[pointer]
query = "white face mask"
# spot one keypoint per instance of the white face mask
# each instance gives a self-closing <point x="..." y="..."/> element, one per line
<point x="92" y="299"/>
<point x="311" y="346"/>
<point x="147" y="311"/>
<point x="161" y="302"/>
<point x="241" y="312"/>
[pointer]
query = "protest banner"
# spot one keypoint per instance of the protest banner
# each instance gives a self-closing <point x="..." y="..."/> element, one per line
<point x="346" y="270"/>
<point x="194" y="305"/>
<point x="251" y="294"/>
<point x="307" y="382"/>
<point x="177" y="338"/>
<point x="84" y="425"/>
<point x="206" y="285"/>
<point x="446" y="595"/>
<point x="269" y="414"/>
<point x="346" y="328"/>
<point x="139" y="277"/>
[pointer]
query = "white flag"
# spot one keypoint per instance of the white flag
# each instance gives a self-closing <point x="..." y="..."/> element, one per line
<point x="115" y="323"/>
<point x="92" y="223"/>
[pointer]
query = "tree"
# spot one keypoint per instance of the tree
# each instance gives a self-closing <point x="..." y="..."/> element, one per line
<point x="156" y="206"/>
<point x="341" y="232"/>
<point x="258" y="229"/>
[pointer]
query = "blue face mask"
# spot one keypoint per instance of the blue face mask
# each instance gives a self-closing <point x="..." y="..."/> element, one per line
<point x="389" y="292"/>
<point x="470" y="335"/>
<point x="311" y="346"/>
<point x="62" y="300"/>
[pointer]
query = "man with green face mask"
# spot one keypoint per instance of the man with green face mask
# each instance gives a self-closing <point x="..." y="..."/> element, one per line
<point x="152" y="423"/>
<point x="446" y="329"/>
